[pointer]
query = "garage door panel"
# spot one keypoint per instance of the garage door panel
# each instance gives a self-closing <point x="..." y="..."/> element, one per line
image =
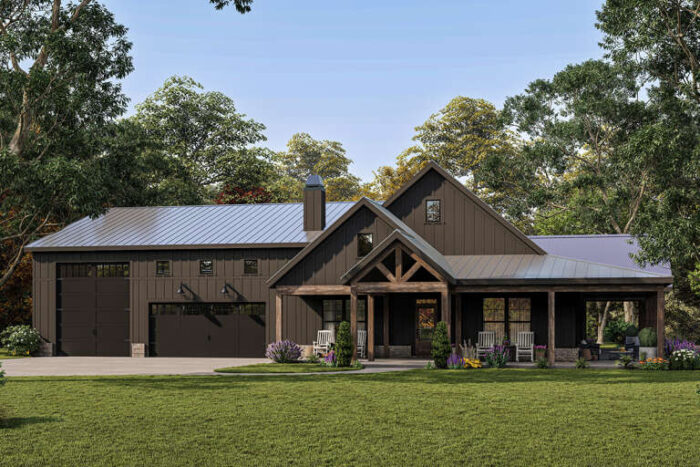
<point x="77" y="318"/>
<point x="112" y="301"/>
<point x="193" y="337"/>
<point x="78" y="331"/>
<point x="78" y="346"/>
<point x="164" y="336"/>
<point x="80" y="286"/>
<point x="107" y="317"/>
<point x="251" y="336"/>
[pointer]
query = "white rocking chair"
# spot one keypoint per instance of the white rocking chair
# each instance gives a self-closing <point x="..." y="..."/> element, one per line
<point x="323" y="342"/>
<point x="361" y="343"/>
<point x="524" y="344"/>
<point x="487" y="339"/>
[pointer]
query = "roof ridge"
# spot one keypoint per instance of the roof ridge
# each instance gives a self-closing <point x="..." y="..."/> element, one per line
<point x="581" y="236"/>
<point x="183" y="206"/>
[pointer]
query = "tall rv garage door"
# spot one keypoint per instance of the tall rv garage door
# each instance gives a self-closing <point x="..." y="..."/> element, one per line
<point x="207" y="330"/>
<point x="92" y="309"/>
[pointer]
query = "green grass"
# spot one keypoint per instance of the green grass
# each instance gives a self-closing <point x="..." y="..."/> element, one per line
<point x="282" y="368"/>
<point x="6" y="355"/>
<point x="429" y="417"/>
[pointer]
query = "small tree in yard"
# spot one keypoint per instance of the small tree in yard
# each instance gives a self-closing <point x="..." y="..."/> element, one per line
<point x="441" y="345"/>
<point x="344" y="345"/>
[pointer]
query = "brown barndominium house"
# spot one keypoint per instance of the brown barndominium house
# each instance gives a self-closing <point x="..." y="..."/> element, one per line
<point x="226" y="280"/>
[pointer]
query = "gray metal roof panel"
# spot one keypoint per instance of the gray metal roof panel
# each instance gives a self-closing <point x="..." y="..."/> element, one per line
<point x="239" y="224"/>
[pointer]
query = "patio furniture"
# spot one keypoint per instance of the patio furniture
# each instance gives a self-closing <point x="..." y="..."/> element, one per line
<point x="589" y="349"/>
<point x="361" y="343"/>
<point x="632" y="345"/>
<point x="524" y="343"/>
<point x="323" y="342"/>
<point x="487" y="340"/>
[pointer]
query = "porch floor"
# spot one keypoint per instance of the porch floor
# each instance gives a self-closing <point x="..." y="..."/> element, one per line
<point x="414" y="363"/>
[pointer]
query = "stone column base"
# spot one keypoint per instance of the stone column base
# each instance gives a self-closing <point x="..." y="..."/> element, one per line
<point x="138" y="350"/>
<point x="565" y="354"/>
<point x="46" y="349"/>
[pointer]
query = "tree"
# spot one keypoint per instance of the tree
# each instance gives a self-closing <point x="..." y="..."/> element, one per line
<point x="440" y="347"/>
<point x="459" y="137"/>
<point x="662" y="39"/>
<point x="242" y="6"/>
<point x="307" y="156"/>
<point x="344" y="346"/>
<point x="59" y="66"/>
<point x="202" y="140"/>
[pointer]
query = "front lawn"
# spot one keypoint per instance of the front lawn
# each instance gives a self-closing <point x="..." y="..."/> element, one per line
<point x="430" y="417"/>
<point x="282" y="368"/>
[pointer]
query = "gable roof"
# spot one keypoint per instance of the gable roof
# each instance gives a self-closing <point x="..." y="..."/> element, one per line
<point x="187" y="227"/>
<point x="416" y="244"/>
<point x="491" y="269"/>
<point x="460" y="186"/>
<point x="373" y="206"/>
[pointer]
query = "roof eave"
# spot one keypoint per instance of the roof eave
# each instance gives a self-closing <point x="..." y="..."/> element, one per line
<point x="222" y="246"/>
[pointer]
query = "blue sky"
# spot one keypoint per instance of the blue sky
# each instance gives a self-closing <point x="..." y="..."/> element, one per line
<point x="362" y="73"/>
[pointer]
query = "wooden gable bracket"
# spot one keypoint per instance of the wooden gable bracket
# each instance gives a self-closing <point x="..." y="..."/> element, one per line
<point x="399" y="275"/>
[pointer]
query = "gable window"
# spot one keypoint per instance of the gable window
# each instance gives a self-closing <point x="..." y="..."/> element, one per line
<point x="364" y="244"/>
<point x="250" y="266"/>
<point x="206" y="266"/>
<point x="506" y="317"/>
<point x="432" y="211"/>
<point x="162" y="268"/>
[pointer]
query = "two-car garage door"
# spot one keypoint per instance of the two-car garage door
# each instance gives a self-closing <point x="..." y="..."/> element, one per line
<point x="207" y="330"/>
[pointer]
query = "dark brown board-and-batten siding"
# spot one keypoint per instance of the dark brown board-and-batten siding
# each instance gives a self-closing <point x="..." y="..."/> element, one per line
<point x="148" y="288"/>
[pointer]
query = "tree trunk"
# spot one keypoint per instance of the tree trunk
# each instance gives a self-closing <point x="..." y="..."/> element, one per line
<point x="602" y="320"/>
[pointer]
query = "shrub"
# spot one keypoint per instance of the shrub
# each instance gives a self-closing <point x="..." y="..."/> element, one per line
<point x="542" y="363"/>
<point x="653" y="364"/>
<point x="497" y="356"/>
<point x="20" y="340"/>
<point x="647" y="337"/>
<point x="313" y="358"/>
<point x="2" y="375"/>
<point x="283" y="352"/>
<point x="581" y="363"/>
<point x="441" y="348"/>
<point x="625" y="362"/>
<point x="455" y="362"/>
<point x="684" y="359"/>
<point x="344" y="345"/>
<point x="357" y="364"/>
<point x="631" y="330"/>
<point x="616" y="331"/>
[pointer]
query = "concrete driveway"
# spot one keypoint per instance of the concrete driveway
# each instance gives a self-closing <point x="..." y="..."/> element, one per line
<point x="98" y="366"/>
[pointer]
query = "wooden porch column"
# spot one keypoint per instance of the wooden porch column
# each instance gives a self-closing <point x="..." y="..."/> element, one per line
<point x="446" y="310"/>
<point x="458" y="319"/>
<point x="353" y="321"/>
<point x="660" y="322"/>
<point x="370" y="328"/>
<point x="278" y="317"/>
<point x="385" y="337"/>
<point x="550" y="327"/>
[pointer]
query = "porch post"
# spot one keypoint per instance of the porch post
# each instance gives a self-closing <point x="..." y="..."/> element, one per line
<point x="278" y="317"/>
<point x="353" y="321"/>
<point x="370" y="327"/>
<point x="660" y="322"/>
<point x="550" y="327"/>
<point x="458" y="319"/>
<point x="446" y="310"/>
<point x="385" y="337"/>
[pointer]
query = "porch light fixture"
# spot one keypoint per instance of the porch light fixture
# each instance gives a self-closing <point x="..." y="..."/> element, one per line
<point x="180" y="290"/>
<point x="224" y="289"/>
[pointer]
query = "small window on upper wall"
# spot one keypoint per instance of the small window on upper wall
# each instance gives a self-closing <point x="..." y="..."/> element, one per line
<point x="250" y="266"/>
<point x="364" y="244"/>
<point x="206" y="266"/>
<point x="162" y="268"/>
<point x="432" y="211"/>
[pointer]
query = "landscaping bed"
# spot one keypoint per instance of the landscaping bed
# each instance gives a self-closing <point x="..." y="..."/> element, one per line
<point x="404" y="418"/>
<point x="282" y="368"/>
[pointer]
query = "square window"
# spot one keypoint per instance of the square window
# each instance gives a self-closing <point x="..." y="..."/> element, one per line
<point x="364" y="244"/>
<point x="250" y="266"/>
<point x="206" y="266"/>
<point x="162" y="268"/>
<point x="432" y="211"/>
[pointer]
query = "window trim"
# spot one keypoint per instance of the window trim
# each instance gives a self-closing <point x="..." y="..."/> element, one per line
<point x="427" y="220"/>
<point x="170" y="268"/>
<point x="210" y="273"/>
<point x="371" y="243"/>
<point x="257" y="267"/>
<point x="345" y="311"/>
<point x="506" y="322"/>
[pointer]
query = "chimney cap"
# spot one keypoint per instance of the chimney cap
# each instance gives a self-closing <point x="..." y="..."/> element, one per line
<point x="314" y="181"/>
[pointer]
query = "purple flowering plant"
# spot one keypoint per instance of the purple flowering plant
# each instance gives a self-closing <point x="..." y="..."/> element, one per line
<point x="497" y="356"/>
<point x="283" y="352"/>
<point x="671" y="345"/>
<point x="455" y="362"/>
<point x="330" y="359"/>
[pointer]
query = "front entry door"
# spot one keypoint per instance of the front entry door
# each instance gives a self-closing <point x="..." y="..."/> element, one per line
<point x="426" y="319"/>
